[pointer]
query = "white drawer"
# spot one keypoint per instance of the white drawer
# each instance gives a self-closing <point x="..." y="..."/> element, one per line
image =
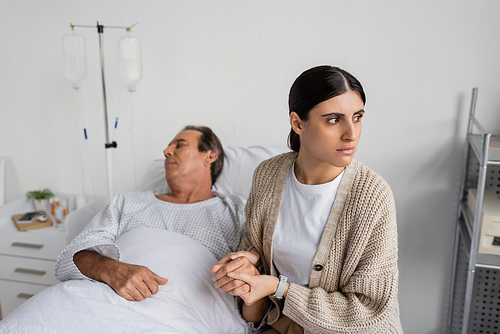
<point x="43" y="244"/>
<point x="13" y="294"/>
<point x="27" y="270"/>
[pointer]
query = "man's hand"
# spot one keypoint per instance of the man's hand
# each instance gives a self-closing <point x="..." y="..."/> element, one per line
<point x="130" y="281"/>
<point x="240" y="261"/>
<point x="253" y="256"/>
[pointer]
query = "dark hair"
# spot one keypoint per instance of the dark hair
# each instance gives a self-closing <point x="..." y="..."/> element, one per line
<point x="317" y="85"/>
<point x="210" y="142"/>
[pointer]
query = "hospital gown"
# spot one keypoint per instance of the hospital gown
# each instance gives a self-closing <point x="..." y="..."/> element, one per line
<point x="217" y="223"/>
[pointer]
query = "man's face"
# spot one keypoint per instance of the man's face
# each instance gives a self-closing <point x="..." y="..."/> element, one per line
<point x="182" y="158"/>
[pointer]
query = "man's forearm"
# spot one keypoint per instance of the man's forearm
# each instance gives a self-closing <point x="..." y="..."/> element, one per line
<point x="132" y="282"/>
<point x="92" y="264"/>
<point x="255" y="312"/>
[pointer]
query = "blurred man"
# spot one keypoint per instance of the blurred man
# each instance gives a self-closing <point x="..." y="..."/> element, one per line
<point x="193" y="162"/>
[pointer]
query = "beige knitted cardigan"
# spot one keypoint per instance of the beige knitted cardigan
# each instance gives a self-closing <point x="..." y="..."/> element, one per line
<point x="356" y="290"/>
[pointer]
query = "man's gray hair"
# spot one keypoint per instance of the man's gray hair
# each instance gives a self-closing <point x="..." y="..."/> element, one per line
<point x="210" y="142"/>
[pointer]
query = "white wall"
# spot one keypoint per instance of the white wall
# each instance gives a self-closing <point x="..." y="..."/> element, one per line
<point x="229" y="65"/>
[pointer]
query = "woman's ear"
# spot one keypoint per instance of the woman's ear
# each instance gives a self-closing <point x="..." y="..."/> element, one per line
<point x="296" y="123"/>
<point x="211" y="157"/>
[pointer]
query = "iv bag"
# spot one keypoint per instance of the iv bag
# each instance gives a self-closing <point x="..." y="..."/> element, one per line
<point x="130" y="60"/>
<point x="74" y="59"/>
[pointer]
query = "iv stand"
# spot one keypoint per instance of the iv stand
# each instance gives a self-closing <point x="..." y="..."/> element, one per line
<point x="108" y="146"/>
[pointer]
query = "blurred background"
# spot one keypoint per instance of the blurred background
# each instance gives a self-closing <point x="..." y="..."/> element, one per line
<point x="229" y="65"/>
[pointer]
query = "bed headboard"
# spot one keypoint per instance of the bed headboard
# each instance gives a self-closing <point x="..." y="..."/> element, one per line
<point x="236" y="176"/>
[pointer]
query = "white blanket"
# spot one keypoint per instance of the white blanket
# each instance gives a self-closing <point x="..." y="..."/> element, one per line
<point x="188" y="303"/>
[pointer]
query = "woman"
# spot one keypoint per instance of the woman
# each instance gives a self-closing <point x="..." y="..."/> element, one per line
<point x="320" y="226"/>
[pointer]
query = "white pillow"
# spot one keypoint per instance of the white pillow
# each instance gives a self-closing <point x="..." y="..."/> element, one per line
<point x="236" y="177"/>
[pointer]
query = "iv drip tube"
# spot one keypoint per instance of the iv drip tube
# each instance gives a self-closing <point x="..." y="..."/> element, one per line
<point x="132" y="130"/>
<point x="117" y="117"/>
<point x="75" y="70"/>
<point x="82" y="129"/>
<point x="130" y="65"/>
<point x="78" y="126"/>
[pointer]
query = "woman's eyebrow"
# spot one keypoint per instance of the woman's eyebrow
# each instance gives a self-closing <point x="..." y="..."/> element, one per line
<point x="338" y="114"/>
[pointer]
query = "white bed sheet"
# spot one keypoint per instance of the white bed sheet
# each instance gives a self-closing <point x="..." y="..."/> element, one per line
<point x="188" y="303"/>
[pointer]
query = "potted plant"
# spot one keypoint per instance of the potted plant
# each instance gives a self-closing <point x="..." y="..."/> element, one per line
<point x="40" y="198"/>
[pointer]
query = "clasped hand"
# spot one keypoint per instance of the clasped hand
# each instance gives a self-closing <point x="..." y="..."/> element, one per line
<point x="236" y="274"/>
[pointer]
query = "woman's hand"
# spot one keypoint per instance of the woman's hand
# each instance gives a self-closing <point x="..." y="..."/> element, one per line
<point x="241" y="262"/>
<point x="260" y="286"/>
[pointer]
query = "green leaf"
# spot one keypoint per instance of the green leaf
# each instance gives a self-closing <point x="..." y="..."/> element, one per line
<point x="40" y="194"/>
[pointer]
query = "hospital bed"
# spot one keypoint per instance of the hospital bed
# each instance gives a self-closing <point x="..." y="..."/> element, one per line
<point x="189" y="303"/>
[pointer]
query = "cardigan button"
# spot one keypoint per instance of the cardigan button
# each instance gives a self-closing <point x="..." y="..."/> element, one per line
<point x="318" y="267"/>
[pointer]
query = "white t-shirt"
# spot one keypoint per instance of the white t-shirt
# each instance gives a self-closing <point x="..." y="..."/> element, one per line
<point x="301" y="221"/>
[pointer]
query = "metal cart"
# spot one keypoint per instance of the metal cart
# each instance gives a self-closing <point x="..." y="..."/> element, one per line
<point x="475" y="290"/>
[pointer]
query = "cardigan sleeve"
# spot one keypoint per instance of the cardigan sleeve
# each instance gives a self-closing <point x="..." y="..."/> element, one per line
<point x="254" y="213"/>
<point x="365" y="300"/>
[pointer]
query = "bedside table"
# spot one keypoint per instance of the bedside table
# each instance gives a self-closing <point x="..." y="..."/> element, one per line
<point x="27" y="258"/>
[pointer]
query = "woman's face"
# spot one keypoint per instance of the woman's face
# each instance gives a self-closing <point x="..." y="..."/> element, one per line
<point x="332" y="132"/>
